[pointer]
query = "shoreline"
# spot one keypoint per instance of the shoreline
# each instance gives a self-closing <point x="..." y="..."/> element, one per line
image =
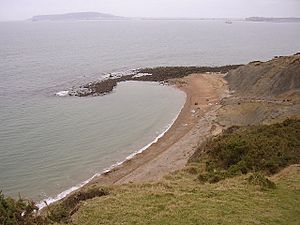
<point x="50" y="200"/>
<point x="168" y="154"/>
<point x="165" y="154"/>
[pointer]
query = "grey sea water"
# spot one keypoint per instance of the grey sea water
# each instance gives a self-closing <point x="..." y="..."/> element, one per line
<point x="49" y="144"/>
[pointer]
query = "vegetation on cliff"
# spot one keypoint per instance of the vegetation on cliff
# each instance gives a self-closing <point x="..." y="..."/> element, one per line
<point x="182" y="199"/>
<point x="25" y="212"/>
<point x="240" y="150"/>
<point x="19" y="211"/>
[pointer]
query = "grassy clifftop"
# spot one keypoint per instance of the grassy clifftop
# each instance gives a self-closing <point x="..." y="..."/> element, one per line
<point x="256" y="194"/>
<point x="180" y="199"/>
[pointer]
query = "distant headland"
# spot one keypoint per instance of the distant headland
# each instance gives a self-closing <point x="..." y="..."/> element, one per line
<point x="77" y="16"/>
<point x="274" y="19"/>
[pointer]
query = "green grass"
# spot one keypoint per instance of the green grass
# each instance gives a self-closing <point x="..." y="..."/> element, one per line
<point x="235" y="164"/>
<point x="181" y="199"/>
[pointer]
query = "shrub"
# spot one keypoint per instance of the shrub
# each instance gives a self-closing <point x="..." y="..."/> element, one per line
<point x="262" y="148"/>
<point x="23" y="212"/>
<point x="212" y="176"/>
<point x="18" y="212"/>
<point x="261" y="180"/>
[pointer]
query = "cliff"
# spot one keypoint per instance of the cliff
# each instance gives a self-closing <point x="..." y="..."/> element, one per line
<point x="278" y="78"/>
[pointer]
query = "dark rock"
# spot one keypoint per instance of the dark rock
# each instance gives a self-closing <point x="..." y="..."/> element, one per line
<point x="159" y="74"/>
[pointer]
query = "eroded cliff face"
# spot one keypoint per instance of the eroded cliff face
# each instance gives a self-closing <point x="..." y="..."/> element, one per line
<point x="277" y="79"/>
<point x="263" y="92"/>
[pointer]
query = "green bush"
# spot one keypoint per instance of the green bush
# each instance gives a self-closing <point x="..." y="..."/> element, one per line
<point x="239" y="150"/>
<point x="18" y="212"/>
<point x="23" y="212"/>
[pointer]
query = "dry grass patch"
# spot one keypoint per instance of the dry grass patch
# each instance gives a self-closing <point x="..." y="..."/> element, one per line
<point x="181" y="199"/>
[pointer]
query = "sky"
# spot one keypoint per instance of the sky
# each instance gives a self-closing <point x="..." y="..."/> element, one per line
<point x="25" y="9"/>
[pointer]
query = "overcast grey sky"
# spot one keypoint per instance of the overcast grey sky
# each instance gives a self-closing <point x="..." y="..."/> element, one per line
<point x="23" y="9"/>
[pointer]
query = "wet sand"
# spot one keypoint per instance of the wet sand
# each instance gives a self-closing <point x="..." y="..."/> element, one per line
<point x="193" y="125"/>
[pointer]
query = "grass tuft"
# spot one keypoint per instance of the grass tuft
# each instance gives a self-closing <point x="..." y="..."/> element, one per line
<point x="260" y="180"/>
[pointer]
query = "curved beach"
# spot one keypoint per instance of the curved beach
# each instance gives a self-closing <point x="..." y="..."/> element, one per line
<point x="172" y="150"/>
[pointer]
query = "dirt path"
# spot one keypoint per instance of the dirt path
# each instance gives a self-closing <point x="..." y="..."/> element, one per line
<point x="193" y="125"/>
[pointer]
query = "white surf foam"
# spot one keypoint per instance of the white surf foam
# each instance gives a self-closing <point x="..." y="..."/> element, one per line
<point x="142" y="75"/>
<point x="63" y="194"/>
<point x="119" y="74"/>
<point x="62" y="93"/>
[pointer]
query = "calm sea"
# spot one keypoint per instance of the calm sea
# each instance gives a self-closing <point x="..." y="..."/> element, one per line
<point x="49" y="144"/>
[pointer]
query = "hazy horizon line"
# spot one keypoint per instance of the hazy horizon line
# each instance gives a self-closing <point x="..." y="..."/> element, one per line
<point x="149" y="18"/>
<point x="155" y="17"/>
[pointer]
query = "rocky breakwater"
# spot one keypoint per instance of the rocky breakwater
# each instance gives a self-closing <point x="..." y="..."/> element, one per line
<point x="158" y="74"/>
<point x="97" y="87"/>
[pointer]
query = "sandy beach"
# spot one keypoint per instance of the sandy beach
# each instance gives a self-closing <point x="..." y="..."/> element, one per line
<point x="171" y="152"/>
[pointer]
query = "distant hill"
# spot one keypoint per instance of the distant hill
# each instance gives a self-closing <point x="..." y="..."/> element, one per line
<point x="77" y="16"/>
<point x="277" y="78"/>
<point x="274" y="20"/>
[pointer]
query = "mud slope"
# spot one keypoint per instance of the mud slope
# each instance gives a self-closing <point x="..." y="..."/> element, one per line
<point x="262" y="92"/>
<point x="277" y="78"/>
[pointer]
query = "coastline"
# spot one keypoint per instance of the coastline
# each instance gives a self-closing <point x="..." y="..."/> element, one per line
<point x="170" y="150"/>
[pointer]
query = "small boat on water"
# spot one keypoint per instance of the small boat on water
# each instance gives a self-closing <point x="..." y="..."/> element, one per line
<point x="228" y="22"/>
